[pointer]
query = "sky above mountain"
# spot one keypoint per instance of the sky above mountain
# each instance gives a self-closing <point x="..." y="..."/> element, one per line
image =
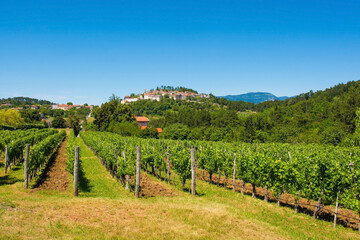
<point x="83" y="51"/>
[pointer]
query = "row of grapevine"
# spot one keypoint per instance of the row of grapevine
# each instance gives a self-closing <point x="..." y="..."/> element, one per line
<point x="70" y="147"/>
<point x="118" y="154"/>
<point x="329" y="175"/>
<point x="326" y="174"/>
<point x="16" y="148"/>
<point x="41" y="152"/>
<point x="7" y="136"/>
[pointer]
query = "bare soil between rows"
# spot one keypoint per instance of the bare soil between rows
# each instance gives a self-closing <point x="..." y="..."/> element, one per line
<point x="151" y="188"/>
<point x="345" y="217"/>
<point x="55" y="176"/>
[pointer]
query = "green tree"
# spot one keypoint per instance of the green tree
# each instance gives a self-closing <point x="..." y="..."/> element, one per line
<point x="75" y="124"/>
<point x="30" y="115"/>
<point x="196" y="134"/>
<point x="115" y="98"/>
<point x="11" y="118"/>
<point x="176" y="131"/>
<point x="58" y="122"/>
<point x="124" y="128"/>
<point x="112" y="112"/>
<point x="357" y="128"/>
<point x="149" y="133"/>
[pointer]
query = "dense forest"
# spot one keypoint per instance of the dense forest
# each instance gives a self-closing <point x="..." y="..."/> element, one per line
<point x="323" y="117"/>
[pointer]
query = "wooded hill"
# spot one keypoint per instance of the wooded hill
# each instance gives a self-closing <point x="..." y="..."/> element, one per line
<point x="326" y="116"/>
<point x="21" y="101"/>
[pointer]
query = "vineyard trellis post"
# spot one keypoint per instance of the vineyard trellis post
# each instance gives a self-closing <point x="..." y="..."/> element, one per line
<point x="266" y="195"/>
<point x="234" y="174"/>
<point x="6" y="158"/>
<point x="117" y="163"/>
<point x="76" y="172"/>
<point x="219" y="174"/>
<point x="242" y="187"/>
<point x="359" y="224"/>
<point x="278" y="199"/>
<point x="26" y="166"/>
<point x="193" y="172"/>
<point x="137" y="186"/>
<point x="297" y="202"/>
<point x="253" y="194"/>
<point x="168" y="165"/>
<point x="336" y="208"/>
<point x="318" y="205"/>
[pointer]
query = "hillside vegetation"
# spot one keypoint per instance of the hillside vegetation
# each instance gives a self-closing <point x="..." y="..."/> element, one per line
<point x="323" y="117"/>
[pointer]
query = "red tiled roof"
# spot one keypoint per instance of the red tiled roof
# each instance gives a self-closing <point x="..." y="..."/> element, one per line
<point x="142" y="119"/>
<point x="159" y="130"/>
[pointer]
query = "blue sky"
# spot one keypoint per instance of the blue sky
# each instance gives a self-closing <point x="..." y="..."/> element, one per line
<point x="83" y="51"/>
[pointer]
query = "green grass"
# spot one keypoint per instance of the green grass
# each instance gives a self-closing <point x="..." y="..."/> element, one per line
<point x="104" y="210"/>
<point x="96" y="182"/>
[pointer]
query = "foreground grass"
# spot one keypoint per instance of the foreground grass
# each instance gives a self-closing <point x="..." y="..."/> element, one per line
<point x="105" y="210"/>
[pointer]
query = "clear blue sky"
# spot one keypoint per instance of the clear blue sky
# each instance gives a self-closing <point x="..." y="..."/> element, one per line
<point x="83" y="51"/>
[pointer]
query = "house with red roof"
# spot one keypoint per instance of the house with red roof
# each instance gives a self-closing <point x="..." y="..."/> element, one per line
<point x="142" y="121"/>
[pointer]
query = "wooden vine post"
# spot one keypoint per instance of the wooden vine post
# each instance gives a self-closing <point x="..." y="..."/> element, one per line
<point x="168" y="165"/>
<point x="336" y="208"/>
<point x="266" y="196"/>
<point x="193" y="172"/>
<point x="297" y="203"/>
<point x="137" y="186"/>
<point x="242" y="187"/>
<point x="76" y="172"/>
<point x="253" y="194"/>
<point x="26" y="167"/>
<point x="6" y="158"/>
<point x="218" y="183"/>
<point x="234" y="175"/>
<point x="117" y="163"/>
<point x="359" y="224"/>
<point x="318" y="206"/>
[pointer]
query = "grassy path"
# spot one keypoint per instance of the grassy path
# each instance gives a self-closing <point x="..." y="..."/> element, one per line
<point x="96" y="181"/>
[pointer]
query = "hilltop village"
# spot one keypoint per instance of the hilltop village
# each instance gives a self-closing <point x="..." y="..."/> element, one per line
<point x="157" y="95"/>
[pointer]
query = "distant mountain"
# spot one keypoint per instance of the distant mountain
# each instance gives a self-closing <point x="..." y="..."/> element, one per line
<point x="254" y="97"/>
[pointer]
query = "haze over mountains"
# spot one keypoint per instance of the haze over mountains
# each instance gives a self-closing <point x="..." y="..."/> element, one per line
<point x="254" y="97"/>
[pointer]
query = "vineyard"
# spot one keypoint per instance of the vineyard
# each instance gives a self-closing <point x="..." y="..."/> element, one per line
<point x="325" y="174"/>
<point x="16" y="147"/>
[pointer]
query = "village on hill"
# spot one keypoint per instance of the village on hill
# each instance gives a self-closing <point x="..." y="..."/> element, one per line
<point x="158" y="94"/>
